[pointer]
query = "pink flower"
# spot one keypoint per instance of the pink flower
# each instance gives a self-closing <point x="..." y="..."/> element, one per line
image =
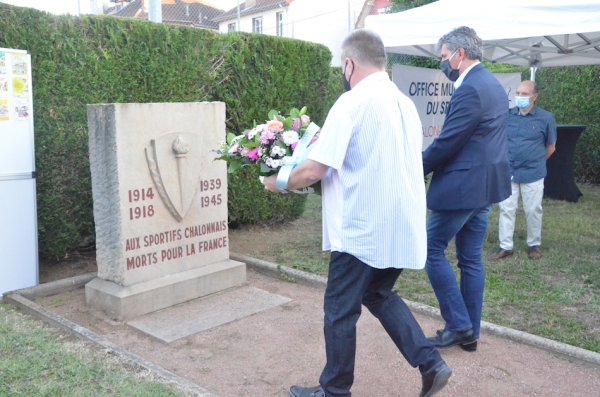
<point x="296" y="124"/>
<point x="275" y="125"/>
<point x="245" y="152"/>
<point x="234" y="148"/>
<point x="305" y="120"/>
<point x="266" y="137"/>
<point x="253" y="155"/>
<point x="294" y="145"/>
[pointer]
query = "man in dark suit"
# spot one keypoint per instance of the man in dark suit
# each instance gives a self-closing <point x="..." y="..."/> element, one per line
<point x="470" y="172"/>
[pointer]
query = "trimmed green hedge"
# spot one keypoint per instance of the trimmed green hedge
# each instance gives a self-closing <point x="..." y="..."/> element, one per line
<point x="101" y="59"/>
<point x="335" y="87"/>
<point x="573" y="95"/>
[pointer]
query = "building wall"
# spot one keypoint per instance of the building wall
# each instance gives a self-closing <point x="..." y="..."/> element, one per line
<point x="325" y="22"/>
<point x="268" y="20"/>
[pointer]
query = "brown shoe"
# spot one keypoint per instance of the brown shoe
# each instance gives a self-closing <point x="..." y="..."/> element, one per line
<point x="501" y="254"/>
<point x="535" y="253"/>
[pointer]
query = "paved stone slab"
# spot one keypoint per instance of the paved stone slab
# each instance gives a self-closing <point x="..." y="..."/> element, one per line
<point x="201" y="314"/>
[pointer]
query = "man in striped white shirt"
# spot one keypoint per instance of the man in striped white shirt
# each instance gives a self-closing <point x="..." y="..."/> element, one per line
<point x="368" y="157"/>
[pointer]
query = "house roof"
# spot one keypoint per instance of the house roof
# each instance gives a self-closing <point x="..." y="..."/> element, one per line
<point x="261" y="5"/>
<point x="199" y="13"/>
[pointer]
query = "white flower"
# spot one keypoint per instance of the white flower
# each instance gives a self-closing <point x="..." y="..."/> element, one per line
<point x="275" y="163"/>
<point x="289" y="137"/>
<point x="261" y="152"/>
<point x="237" y="138"/>
<point x="256" y="130"/>
<point x="269" y="161"/>
<point x="277" y="151"/>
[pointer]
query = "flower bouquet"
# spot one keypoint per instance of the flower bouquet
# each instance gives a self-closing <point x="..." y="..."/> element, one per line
<point x="275" y="146"/>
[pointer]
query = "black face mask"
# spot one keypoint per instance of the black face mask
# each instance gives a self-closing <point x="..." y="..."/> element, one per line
<point x="447" y="69"/>
<point x="347" y="82"/>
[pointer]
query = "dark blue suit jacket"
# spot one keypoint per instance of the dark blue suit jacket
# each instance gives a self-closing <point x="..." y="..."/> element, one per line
<point x="469" y="158"/>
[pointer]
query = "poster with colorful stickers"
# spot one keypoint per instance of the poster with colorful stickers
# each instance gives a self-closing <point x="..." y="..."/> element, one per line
<point x="20" y="65"/>
<point x="2" y="63"/>
<point x="22" y="110"/>
<point x="20" y="87"/>
<point x="4" y="109"/>
<point x="3" y="87"/>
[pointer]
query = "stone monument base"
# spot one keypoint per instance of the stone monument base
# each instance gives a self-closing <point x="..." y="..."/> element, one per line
<point x="127" y="302"/>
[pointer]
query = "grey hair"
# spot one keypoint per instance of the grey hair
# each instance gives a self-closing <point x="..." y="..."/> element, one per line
<point x="463" y="37"/>
<point x="366" y="47"/>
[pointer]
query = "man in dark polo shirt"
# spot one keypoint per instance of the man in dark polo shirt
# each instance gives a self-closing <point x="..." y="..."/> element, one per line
<point x="531" y="140"/>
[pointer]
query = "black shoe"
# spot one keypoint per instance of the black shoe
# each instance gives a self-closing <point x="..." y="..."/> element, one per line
<point x="297" y="391"/>
<point x="465" y="339"/>
<point x="435" y="381"/>
<point x="469" y="347"/>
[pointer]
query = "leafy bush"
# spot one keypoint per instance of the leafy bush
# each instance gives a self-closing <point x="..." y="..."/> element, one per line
<point x="572" y="94"/>
<point x="335" y="87"/>
<point x="249" y="203"/>
<point x="101" y="59"/>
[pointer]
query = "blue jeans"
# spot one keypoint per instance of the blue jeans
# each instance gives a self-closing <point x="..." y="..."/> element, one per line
<point x="350" y="283"/>
<point x="461" y="308"/>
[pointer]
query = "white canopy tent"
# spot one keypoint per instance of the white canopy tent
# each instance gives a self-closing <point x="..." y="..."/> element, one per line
<point x="534" y="33"/>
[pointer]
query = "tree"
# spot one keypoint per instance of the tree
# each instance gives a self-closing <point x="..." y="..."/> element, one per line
<point x="403" y="5"/>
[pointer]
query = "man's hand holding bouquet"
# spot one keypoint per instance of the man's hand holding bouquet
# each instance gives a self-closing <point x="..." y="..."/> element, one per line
<point x="275" y="146"/>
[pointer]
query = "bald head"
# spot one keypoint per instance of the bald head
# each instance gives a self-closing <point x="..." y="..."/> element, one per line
<point x="527" y="88"/>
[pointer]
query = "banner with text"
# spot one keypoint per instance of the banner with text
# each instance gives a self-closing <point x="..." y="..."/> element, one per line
<point x="430" y="90"/>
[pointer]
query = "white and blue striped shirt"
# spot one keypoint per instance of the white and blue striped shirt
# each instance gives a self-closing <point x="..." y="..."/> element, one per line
<point x="374" y="193"/>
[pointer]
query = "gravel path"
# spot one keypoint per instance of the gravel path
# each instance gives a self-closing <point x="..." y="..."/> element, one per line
<point x="263" y="354"/>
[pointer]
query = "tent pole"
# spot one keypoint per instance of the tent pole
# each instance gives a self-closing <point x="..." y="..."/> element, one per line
<point x="532" y="71"/>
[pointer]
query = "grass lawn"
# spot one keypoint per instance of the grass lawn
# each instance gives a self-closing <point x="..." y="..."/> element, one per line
<point x="36" y="360"/>
<point x="557" y="297"/>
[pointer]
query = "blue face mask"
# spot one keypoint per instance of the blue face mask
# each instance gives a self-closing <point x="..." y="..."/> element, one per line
<point x="522" y="102"/>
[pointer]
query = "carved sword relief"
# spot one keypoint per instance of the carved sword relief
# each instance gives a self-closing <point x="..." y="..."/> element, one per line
<point x="175" y="166"/>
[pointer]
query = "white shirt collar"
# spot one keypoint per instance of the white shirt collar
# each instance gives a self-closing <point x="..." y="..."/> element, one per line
<point x="460" y="79"/>
<point x="373" y="77"/>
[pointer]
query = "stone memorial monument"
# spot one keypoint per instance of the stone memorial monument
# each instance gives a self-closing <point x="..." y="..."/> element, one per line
<point x="160" y="206"/>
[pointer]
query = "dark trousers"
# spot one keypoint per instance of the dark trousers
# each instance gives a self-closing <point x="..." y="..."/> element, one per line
<point x="350" y="284"/>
